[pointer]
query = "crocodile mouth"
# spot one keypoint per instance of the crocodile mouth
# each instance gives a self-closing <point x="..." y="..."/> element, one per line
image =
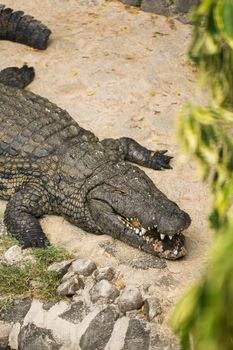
<point x="165" y="246"/>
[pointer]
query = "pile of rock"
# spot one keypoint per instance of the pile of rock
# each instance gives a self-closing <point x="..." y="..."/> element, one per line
<point x="171" y="8"/>
<point x="100" y="312"/>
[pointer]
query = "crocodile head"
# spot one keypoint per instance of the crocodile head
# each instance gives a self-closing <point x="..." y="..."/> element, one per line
<point x="126" y="204"/>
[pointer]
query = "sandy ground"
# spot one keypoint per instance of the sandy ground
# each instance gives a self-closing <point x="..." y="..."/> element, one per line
<point x="118" y="72"/>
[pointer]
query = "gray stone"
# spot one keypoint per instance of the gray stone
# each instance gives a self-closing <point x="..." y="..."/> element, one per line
<point x="105" y="291"/>
<point x="137" y="337"/>
<point x="84" y="267"/>
<point x="35" y="284"/>
<point x="17" y="311"/>
<point x="70" y="286"/>
<point x="28" y="258"/>
<point x="165" y="342"/>
<point x="131" y="2"/>
<point x="5" y="329"/>
<point x="13" y="255"/>
<point x="62" y="267"/>
<point x="176" y="8"/>
<point x="4" y="347"/>
<point x="152" y="308"/>
<point x="68" y="275"/>
<point x="35" y="338"/>
<point x="185" y="6"/>
<point x="161" y="7"/>
<point x="76" y="313"/>
<point x="100" y="329"/>
<point x="105" y="273"/>
<point x="130" y="299"/>
<point x="49" y="304"/>
<point x="14" y="336"/>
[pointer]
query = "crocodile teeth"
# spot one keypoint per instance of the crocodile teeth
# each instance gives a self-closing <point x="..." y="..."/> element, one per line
<point x="137" y="230"/>
<point x="170" y="237"/>
<point x="162" y="236"/>
<point x="143" y="231"/>
<point x="175" y="252"/>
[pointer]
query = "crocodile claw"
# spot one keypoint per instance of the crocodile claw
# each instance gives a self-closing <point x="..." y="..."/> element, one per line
<point x="160" y="161"/>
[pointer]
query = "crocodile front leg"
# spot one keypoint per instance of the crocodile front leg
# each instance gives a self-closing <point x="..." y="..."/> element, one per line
<point x="22" y="213"/>
<point x="134" y="152"/>
<point x="17" y="77"/>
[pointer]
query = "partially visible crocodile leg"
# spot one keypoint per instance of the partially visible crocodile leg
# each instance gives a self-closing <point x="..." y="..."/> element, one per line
<point x="16" y="26"/>
<point x="17" y="77"/>
<point x="21" y="215"/>
<point x="133" y="152"/>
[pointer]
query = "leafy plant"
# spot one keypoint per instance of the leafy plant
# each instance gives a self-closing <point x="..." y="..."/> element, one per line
<point x="212" y="47"/>
<point x="204" y="317"/>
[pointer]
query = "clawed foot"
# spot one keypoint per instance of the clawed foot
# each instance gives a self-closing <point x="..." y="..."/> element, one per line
<point x="159" y="160"/>
<point x="36" y="243"/>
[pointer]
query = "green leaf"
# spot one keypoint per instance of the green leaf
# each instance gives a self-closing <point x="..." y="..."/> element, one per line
<point x="224" y="20"/>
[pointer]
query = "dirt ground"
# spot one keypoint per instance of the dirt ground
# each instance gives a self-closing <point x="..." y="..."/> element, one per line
<point x="121" y="72"/>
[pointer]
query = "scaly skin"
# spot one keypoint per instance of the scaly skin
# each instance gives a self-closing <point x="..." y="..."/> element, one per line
<point x="50" y="165"/>
<point x="24" y="29"/>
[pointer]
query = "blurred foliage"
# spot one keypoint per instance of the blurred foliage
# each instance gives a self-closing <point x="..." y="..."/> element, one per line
<point x="203" y="319"/>
<point x="212" y="47"/>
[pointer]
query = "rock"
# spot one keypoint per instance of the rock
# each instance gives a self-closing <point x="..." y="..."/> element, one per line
<point x="13" y="336"/>
<point x="130" y="299"/>
<point x="68" y="275"/>
<point x="62" y="267"/>
<point x="105" y="273"/>
<point x="104" y="290"/>
<point x="131" y="2"/>
<point x="152" y="308"/>
<point x="76" y="313"/>
<point x="118" y="335"/>
<point x="70" y="286"/>
<point x="13" y="255"/>
<point x="4" y="347"/>
<point x="5" y="329"/>
<point x="84" y="267"/>
<point x="165" y="342"/>
<point x="185" y="5"/>
<point x="161" y="7"/>
<point x="100" y="329"/>
<point x="47" y="305"/>
<point x="177" y="8"/>
<point x="35" y="284"/>
<point x="137" y="337"/>
<point x="29" y="258"/>
<point x="17" y="311"/>
<point x="35" y="338"/>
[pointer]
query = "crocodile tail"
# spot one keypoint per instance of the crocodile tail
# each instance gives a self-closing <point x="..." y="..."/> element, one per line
<point x="24" y="29"/>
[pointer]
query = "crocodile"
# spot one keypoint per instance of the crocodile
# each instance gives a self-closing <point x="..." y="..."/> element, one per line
<point x="51" y="165"/>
